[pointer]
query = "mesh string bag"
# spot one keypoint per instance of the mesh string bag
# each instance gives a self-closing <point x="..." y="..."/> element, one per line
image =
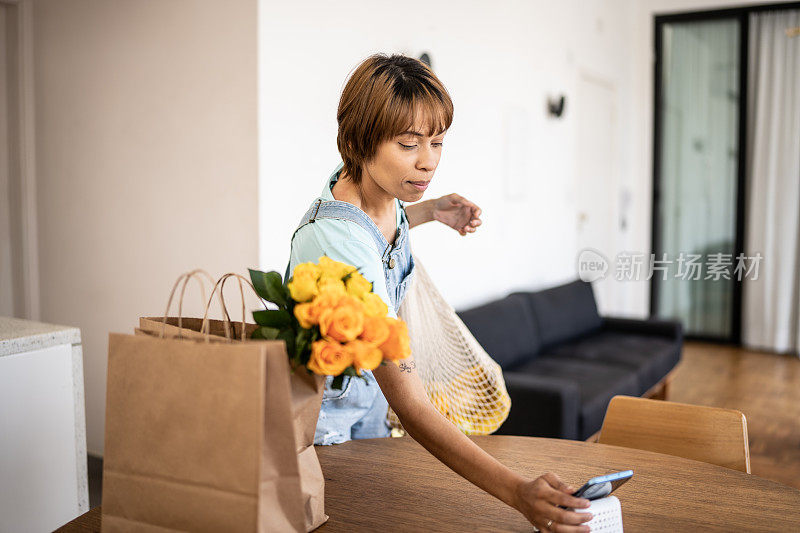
<point x="462" y="381"/>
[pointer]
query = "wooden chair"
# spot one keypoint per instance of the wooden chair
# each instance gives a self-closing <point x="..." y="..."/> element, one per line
<point x="708" y="434"/>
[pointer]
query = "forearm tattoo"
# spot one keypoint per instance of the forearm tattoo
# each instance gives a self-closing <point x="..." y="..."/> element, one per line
<point x="408" y="367"/>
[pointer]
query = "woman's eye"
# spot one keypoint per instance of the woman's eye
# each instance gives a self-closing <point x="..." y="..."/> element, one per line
<point x="409" y="146"/>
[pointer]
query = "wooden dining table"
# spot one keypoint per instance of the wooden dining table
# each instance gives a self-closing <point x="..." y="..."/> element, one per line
<point x="394" y="484"/>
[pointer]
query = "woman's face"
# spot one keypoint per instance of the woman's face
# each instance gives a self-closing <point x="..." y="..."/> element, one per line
<point x="404" y="165"/>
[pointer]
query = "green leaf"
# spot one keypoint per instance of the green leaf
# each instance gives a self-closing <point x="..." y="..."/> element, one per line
<point x="272" y="318"/>
<point x="287" y="335"/>
<point x="304" y="355"/>
<point x="265" y="333"/>
<point x="268" y="285"/>
<point x="337" y="382"/>
<point x="349" y="274"/>
<point x="303" y="341"/>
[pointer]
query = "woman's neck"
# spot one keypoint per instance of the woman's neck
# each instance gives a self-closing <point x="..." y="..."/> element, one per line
<point x="368" y="196"/>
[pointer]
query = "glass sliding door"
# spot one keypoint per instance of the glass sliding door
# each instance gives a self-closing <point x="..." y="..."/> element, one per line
<point x="696" y="186"/>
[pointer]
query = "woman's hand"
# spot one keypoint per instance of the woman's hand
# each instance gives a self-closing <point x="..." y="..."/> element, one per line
<point x="457" y="212"/>
<point x="539" y="501"/>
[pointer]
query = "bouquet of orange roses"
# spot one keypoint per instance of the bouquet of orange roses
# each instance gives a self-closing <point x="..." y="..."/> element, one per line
<point x="331" y="321"/>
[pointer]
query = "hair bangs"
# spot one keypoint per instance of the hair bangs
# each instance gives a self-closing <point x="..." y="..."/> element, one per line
<point x="423" y="112"/>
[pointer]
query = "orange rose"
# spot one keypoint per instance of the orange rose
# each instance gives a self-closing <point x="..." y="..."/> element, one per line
<point x="365" y="356"/>
<point x="353" y="302"/>
<point x="343" y="323"/>
<point x="376" y="330"/>
<point x="305" y="315"/>
<point x="397" y="346"/>
<point x="329" y="358"/>
<point x="374" y="305"/>
<point x="308" y="313"/>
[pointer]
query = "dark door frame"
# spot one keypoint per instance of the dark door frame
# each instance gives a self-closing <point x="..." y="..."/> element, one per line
<point x="742" y="15"/>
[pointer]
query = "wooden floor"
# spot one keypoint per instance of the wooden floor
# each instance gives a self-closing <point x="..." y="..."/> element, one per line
<point x="765" y="387"/>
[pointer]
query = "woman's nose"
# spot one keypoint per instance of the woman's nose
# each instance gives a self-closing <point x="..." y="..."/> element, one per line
<point x="428" y="159"/>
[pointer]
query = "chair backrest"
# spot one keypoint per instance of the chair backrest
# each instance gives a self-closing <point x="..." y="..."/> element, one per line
<point x="708" y="434"/>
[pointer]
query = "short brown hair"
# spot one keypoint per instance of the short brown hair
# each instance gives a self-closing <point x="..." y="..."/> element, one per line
<point x="379" y="101"/>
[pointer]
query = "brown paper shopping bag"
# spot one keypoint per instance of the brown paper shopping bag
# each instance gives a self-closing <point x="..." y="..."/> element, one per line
<point x="305" y="398"/>
<point x="199" y="437"/>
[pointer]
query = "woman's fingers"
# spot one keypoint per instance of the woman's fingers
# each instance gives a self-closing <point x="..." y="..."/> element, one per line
<point x="565" y="490"/>
<point x="550" y="507"/>
<point x="570" y="518"/>
<point x="569" y="522"/>
<point x="541" y="500"/>
<point x="560" y="494"/>
<point x="562" y="519"/>
<point x="456" y="199"/>
<point x="563" y="499"/>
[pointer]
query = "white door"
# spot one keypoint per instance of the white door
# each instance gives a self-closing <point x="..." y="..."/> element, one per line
<point x="596" y="183"/>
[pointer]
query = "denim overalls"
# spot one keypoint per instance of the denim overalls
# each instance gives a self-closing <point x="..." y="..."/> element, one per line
<point x="359" y="409"/>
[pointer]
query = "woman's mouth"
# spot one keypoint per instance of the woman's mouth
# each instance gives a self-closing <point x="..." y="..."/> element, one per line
<point x="420" y="185"/>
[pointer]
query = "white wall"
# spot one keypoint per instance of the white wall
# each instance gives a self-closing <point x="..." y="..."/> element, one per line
<point x="146" y="160"/>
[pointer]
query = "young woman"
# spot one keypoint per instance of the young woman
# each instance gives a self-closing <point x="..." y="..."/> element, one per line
<point x="393" y="115"/>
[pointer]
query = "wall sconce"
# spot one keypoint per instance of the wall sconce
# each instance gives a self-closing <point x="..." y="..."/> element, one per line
<point x="555" y="106"/>
<point x="425" y="57"/>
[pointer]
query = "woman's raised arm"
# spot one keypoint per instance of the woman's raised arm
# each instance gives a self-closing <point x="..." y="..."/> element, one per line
<point x="452" y="210"/>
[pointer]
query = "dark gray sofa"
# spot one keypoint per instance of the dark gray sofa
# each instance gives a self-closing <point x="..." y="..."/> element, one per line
<point x="563" y="362"/>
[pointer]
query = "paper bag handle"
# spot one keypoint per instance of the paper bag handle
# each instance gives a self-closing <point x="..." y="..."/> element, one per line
<point x="206" y="325"/>
<point x="185" y="277"/>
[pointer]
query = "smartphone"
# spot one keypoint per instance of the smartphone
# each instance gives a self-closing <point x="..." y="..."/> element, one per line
<point x="602" y="486"/>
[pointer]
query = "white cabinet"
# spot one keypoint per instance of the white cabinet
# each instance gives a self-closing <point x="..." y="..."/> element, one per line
<point x="43" y="477"/>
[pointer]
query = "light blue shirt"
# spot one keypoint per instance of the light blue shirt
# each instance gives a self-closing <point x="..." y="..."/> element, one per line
<point x="342" y="240"/>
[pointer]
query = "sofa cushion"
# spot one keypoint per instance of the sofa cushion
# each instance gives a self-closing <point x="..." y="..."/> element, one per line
<point x="597" y="382"/>
<point x="650" y="357"/>
<point x="505" y="329"/>
<point x="564" y="312"/>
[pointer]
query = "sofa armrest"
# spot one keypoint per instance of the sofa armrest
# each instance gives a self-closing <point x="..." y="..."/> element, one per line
<point x="541" y="406"/>
<point x="653" y="326"/>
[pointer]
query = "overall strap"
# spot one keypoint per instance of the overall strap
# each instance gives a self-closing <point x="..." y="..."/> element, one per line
<point x="337" y="209"/>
